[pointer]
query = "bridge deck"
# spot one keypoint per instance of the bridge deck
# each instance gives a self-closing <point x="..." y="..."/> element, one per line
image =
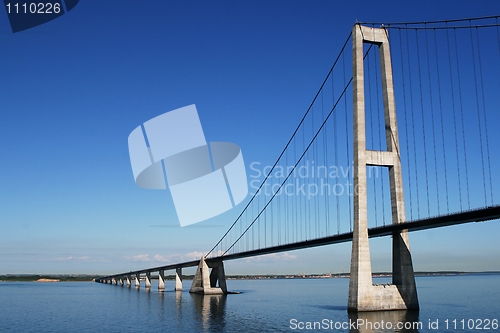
<point x="476" y="215"/>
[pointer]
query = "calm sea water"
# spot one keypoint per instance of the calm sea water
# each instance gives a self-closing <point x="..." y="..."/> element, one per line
<point x="263" y="306"/>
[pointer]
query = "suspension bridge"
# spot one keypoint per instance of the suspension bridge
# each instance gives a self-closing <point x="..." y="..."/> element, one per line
<point x="401" y="136"/>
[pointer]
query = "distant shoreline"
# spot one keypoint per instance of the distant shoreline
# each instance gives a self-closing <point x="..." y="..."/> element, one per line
<point x="89" y="278"/>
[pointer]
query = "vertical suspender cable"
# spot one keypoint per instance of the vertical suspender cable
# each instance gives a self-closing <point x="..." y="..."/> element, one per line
<point x="478" y="115"/>
<point x="426" y="167"/>
<point x="245" y="240"/>
<point x="351" y="221"/>
<point x="265" y="229"/>
<point x="279" y="214"/>
<point x="258" y="226"/>
<point x="484" y="112"/>
<point x="277" y="205"/>
<point x="336" y="160"/>
<point x="413" y="127"/>
<point x="302" y="180"/>
<point x="309" y="201"/>
<point x="462" y="120"/>
<point x="325" y="164"/>
<point x="253" y="229"/>
<point x="294" y="196"/>
<point x="442" y="122"/>
<point x="406" y="117"/>
<point x="302" y="211"/>
<point x="454" y="120"/>
<point x="316" y="179"/>
<point x="287" y="217"/>
<point x="432" y="118"/>
<point x="272" y="220"/>
<point x="308" y="206"/>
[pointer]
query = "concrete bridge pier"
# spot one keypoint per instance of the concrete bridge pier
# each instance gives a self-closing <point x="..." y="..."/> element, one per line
<point x="205" y="282"/>
<point x="178" y="279"/>
<point x="121" y="282"/>
<point x="148" y="280"/>
<point x="113" y="281"/>
<point x="128" y="281"/>
<point x="161" y="280"/>
<point x="137" y="280"/>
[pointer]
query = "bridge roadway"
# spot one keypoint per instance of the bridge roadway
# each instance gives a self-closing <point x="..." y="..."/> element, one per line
<point x="475" y="215"/>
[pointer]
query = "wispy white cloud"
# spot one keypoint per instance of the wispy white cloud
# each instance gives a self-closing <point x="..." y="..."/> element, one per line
<point x="65" y="258"/>
<point x="81" y="259"/>
<point x="273" y="258"/>
<point x="161" y="258"/>
<point x="174" y="258"/>
<point x="139" y="257"/>
<point x="167" y="259"/>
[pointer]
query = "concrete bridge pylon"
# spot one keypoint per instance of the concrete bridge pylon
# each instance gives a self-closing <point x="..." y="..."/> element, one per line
<point x="363" y="294"/>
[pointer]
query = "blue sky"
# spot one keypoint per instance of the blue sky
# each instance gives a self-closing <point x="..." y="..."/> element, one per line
<point x="73" y="89"/>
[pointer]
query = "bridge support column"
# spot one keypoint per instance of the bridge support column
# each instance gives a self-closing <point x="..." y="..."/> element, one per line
<point x="113" y="281"/>
<point x="161" y="280"/>
<point x="121" y="282"/>
<point x="128" y="281"/>
<point x="205" y="282"/>
<point x="137" y="280"/>
<point x="148" y="280"/>
<point x="218" y="275"/>
<point x="402" y="293"/>
<point x="178" y="279"/>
